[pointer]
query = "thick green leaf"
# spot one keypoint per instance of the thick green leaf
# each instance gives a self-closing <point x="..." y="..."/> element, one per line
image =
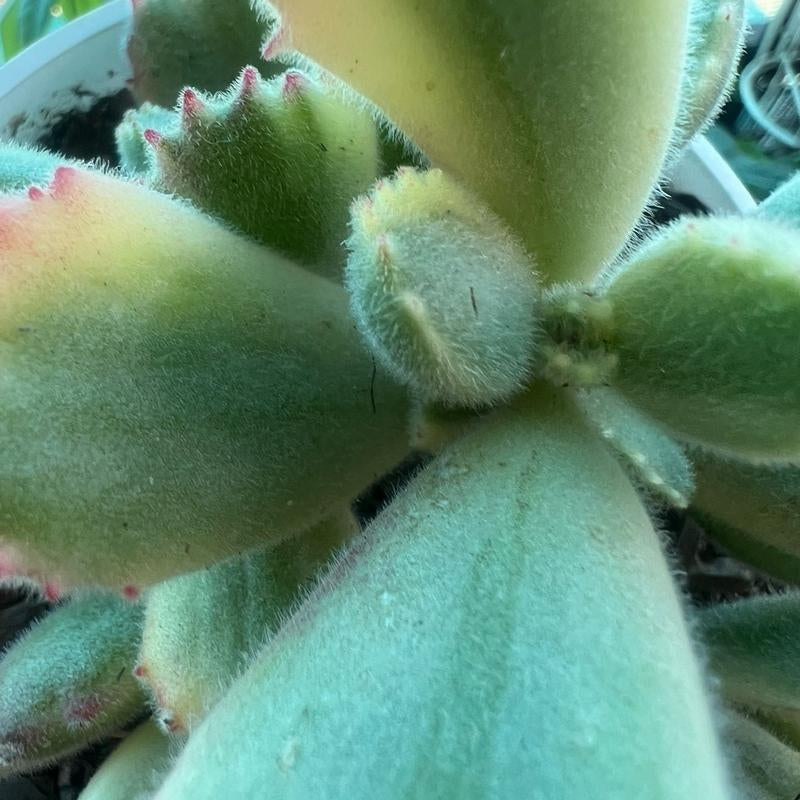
<point x="783" y="205"/>
<point x="9" y="32"/>
<point x="764" y="767"/>
<point x="280" y="161"/>
<point x="716" y="37"/>
<point x="753" y="510"/>
<point x="557" y="114"/>
<point x="653" y="459"/>
<point x="136" y="767"/>
<point x="201" y="630"/>
<point x="171" y="394"/>
<point x="706" y="330"/>
<point x="202" y="43"/>
<point x="67" y="682"/>
<point x="507" y="628"/>
<point x="22" y="166"/>
<point x="754" y="647"/>
<point x="445" y="297"/>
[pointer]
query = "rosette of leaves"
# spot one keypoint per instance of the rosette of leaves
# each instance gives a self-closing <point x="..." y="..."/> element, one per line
<point x="509" y="625"/>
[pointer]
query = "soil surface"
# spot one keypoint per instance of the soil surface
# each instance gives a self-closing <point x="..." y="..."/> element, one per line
<point x="89" y="135"/>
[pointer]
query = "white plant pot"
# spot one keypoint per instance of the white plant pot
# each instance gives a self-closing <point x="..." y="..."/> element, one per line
<point x="70" y="69"/>
<point x="86" y="60"/>
<point x="703" y="173"/>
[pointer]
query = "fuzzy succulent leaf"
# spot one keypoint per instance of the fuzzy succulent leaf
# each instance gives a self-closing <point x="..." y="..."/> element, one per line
<point x="753" y="510"/>
<point x="67" y="682"/>
<point x="706" y="330"/>
<point x="439" y="641"/>
<point x="783" y="205"/>
<point x="136" y="768"/>
<point x="716" y="38"/>
<point x="443" y="294"/>
<point x="764" y="767"/>
<point x="279" y="160"/>
<point x="171" y="393"/>
<point x="135" y="154"/>
<point x="202" y="629"/>
<point x="21" y="166"/>
<point x="754" y="648"/>
<point x="654" y="461"/>
<point x="557" y="114"/>
<point x="204" y="43"/>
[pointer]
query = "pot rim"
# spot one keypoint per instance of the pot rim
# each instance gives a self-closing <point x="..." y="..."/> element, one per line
<point x="54" y="75"/>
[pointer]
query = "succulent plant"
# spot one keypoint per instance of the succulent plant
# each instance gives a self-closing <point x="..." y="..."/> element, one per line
<point x="67" y="682"/>
<point x="713" y="49"/>
<point x="764" y="766"/>
<point x="289" y="144"/>
<point x="135" y="768"/>
<point x="201" y="629"/>
<point x="167" y="394"/>
<point x="428" y="232"/>
<point x="173" y="43"/>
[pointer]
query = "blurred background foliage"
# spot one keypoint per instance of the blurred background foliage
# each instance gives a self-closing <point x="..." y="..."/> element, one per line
<point x="758" y="132"/>
<point x="24" y="21"/>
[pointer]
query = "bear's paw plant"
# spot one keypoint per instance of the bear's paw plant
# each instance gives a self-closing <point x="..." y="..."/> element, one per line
<point x="413" y="226"/>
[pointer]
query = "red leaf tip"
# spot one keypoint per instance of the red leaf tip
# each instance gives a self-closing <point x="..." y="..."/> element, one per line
<point x="130" y="592"/>
<point x="153" y="138"/>
<point x="52" y="591"/>
<point x="293" y="83"/>
<point x="275" y="45"/>
<point x="63" y="180"/>
<point x="249" y="82"/>
<point x="13" y="568"/>
<point x="191" y="104"/>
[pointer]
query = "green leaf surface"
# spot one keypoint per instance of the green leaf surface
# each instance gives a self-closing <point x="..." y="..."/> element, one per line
<point x="201" y="630"/>
<point x="783" y="205"/>
<point x="753" y="510"/>
<point x="764" y="767"/>
<point x="754" y="648"/>
<point x="135" y="768"/>
<point x="280" y="161"/>
<point x="444" y="295"/>
<point x="507" y="628"/>
<point x="653" y="459"/>
<point x="202" y="43"/>
<point x="67" y="682"/>
<point x="557" y="114"/>
<point x="706" y="330"/>
<point x="172" y="394"/>
<point x="9" y="32"/>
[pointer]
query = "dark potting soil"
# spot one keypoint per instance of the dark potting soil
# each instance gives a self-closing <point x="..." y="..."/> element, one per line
<point x="672" y="206"/>
<point x="89" y="134"/>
